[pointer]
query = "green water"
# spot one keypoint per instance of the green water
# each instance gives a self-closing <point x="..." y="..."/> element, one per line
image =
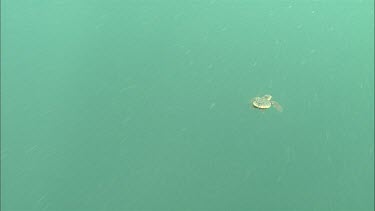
<point x="144" y="105"/>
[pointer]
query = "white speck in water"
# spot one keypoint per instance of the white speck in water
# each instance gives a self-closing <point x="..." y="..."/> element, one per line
<point x="124" y="89"/>
<point x="212" y="105"/>
<point x="32" y="148"/>
<point x="326" y="136"/>
<point x="41" y="198"/>
<point x="184" y="129"/>
<point x="270" y="84"/>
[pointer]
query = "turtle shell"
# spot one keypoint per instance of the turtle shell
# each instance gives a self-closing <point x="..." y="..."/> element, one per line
<point x="262" y="102"/>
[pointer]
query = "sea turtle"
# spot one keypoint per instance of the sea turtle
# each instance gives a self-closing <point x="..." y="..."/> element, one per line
<point x="265" y="102"/>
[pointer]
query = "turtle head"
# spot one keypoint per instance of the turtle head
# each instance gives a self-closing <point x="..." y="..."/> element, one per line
<point x="267" y="97"/>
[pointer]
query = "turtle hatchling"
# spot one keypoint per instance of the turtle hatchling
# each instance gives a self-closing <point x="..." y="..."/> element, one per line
<point x="265" y="102"/>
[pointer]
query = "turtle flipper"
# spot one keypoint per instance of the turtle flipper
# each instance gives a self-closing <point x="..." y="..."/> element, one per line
<point x="276" y="105"/>
<point x="252" y="102"/>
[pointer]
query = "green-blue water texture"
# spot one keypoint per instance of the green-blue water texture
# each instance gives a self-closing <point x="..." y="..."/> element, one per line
<point x="145" y="105"/>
